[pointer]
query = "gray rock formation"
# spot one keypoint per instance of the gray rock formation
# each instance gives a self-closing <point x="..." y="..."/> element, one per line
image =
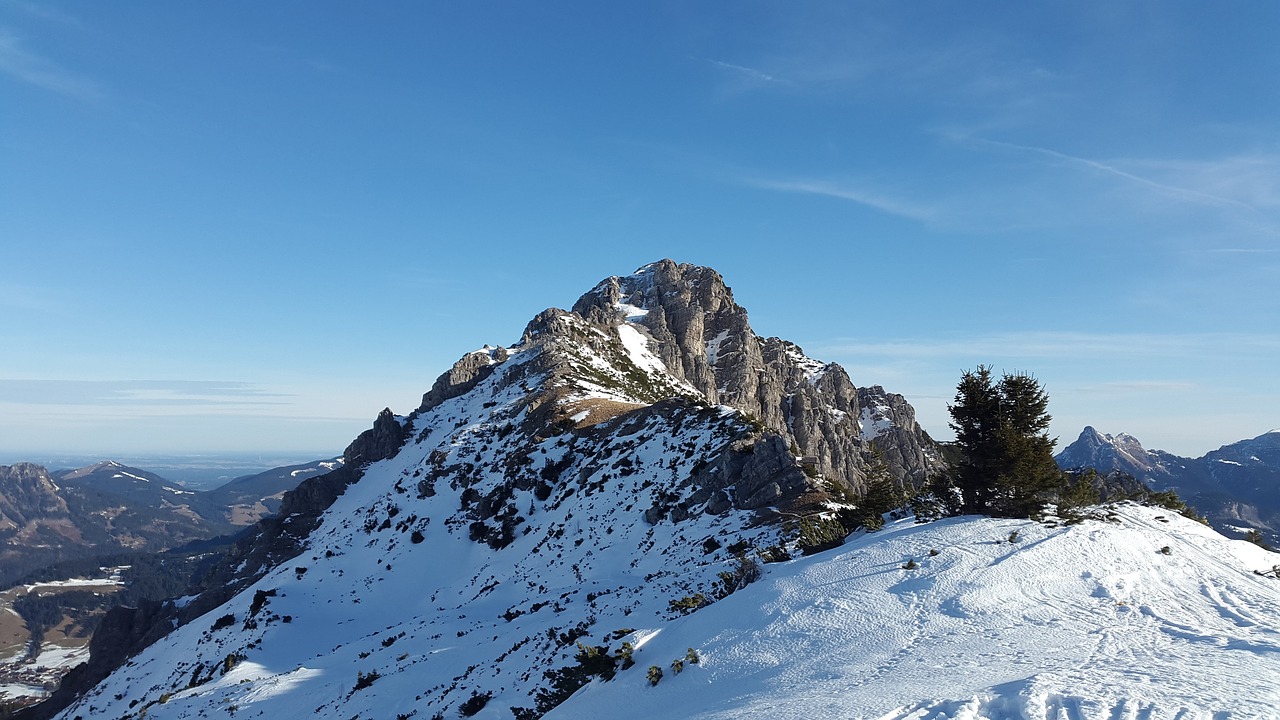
<point x="704" y="339"/>
<point x="27" y="493"/>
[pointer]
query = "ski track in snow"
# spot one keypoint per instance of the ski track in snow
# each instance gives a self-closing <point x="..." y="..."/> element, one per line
<point x="1092" y="621"/>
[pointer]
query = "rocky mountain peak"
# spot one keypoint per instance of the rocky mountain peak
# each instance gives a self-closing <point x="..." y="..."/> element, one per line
<point x="1110" y="452"/>
<point x="688" y="317"/>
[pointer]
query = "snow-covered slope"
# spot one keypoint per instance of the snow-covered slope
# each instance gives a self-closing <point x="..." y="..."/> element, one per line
<point x="399" y="586"/>
<point x="1149" y="616"/>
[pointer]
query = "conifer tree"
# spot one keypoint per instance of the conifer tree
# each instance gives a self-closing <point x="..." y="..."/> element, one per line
<point x="1028" y="472"/>
<point x="1007" y="465"/>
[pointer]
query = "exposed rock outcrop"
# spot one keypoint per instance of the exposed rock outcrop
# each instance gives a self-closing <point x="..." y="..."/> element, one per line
<point x="27" y="493"/>
<point x="704" y="338"/>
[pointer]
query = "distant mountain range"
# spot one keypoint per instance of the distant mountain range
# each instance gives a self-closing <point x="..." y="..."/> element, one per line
<point x="107" y="507"/>
<point x="1237" y="486"/>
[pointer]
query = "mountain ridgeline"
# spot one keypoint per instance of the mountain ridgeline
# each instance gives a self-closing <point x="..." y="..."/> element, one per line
<point x="51" y="517"/>
<point x="625" y="462"/>
<point x="1236" y="487"/>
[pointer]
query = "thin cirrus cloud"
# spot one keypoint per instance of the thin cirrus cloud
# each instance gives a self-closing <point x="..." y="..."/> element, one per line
<point x="27" y="66"/>
<point x="1176" y="191"/>
<point x="138" y="393"/>
<point x="1155" y="386"/>
<point x="851" y="192"/>
<point x="1196" y="187"/>
<point x="744" y="72"/>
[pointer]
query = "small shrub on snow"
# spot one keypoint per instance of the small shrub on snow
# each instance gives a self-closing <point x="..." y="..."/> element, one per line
<point x="818" y="534"/>
<point x="688" y="603"/>
<point x="654" y="674"/>
<point x="746" y="570"/>
<point x="364" y="680"/>
<point x="624" y="656"/>
<point x="474" y="704"/>
<point x="926" y="507"/>
<point x="1257" y="538"/>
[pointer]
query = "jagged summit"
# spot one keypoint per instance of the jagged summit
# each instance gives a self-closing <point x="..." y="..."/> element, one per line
<point x="1237" y="486"/>
<point x="1095" y="449"/>
<point x="674" y="330"/>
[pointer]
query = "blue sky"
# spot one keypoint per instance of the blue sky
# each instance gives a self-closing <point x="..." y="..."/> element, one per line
<point x="245" y="226"/>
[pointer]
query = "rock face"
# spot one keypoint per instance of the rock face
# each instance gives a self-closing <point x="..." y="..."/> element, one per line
<point x="27" y="493"/>
<point x="35" y="522"/>
<point x="704" y="338"/>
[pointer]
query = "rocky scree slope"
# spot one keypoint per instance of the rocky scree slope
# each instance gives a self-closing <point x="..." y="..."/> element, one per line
<point x="571" y="488"/>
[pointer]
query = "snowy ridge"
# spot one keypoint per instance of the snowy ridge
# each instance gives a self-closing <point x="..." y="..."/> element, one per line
<point x="1097" y="620"/>
<point x="578" y="491"/>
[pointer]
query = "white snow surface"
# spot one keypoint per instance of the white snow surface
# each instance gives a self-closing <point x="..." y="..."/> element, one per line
<point x="713" y="346"/>
<point x="811" y="368"/>
<point x="874" y="421"/>
<point x="631" y="312"/>
<point x="1091" y="621"/>
<point x="638" y="350"/>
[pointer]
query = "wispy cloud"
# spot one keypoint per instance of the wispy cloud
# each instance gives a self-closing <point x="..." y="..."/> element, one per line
<point x="136" y="393"/>
<point x="1112" y="168"/>
<point x="25" y="298"/>
<point x="850" y="192"/>
<point x="743" y="71"/>
<point x="43" y="11"/>
<point x="24" y="65"/>
<point x="1252" y="179"/>
<point x="1142" y="386"/>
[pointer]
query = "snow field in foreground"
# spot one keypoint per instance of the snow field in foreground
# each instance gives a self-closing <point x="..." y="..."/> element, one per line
<point x="1089" y="621"/>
